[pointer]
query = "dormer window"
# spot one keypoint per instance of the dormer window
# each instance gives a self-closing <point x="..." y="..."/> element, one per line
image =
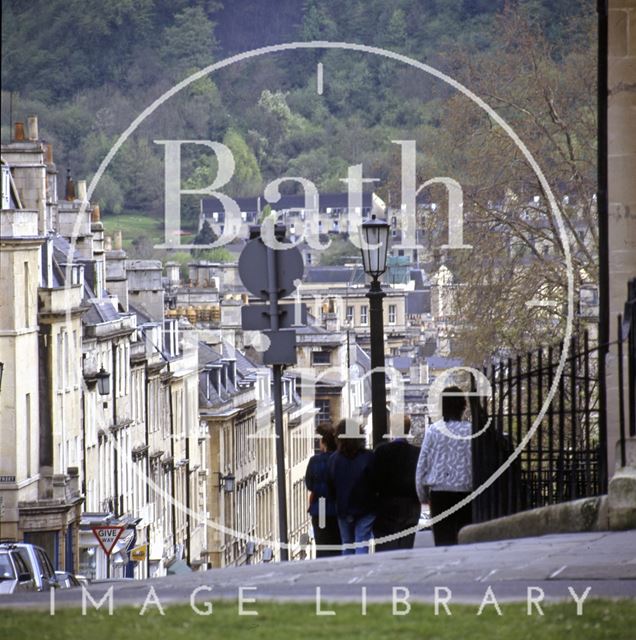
<point x="321" y="357"/>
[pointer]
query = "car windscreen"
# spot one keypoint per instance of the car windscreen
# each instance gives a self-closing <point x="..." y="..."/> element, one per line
<point x="7" y="571"/>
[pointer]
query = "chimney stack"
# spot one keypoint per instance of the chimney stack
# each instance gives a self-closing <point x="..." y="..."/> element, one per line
<point x="108" y="243"/>
<point x="32" y="127"/>
<point x="70" y="187"/>
<point x="96" y="214"/>
<point x="117" y="241"/>
<point x="19" y="132"/>
<point x="48" y="151"/>
<point x="81" y="190"/>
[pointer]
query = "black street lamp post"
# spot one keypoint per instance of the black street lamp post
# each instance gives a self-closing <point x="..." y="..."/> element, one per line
<point x="375" y="242"/>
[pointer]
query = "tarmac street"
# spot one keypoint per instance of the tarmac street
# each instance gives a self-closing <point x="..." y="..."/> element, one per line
<point x="553" y="567"/>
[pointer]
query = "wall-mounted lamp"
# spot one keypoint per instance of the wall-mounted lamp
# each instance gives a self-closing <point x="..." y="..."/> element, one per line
<point x="103" y="382"/>
<point x="226" y="482"/>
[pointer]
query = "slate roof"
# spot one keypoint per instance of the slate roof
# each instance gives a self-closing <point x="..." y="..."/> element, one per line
<point x="142" y="316"/>
<point x="418" y="302"/>
<point x="402" y="363"/>
<point x="100" y="311"/>
<point x="244" y="366"/>
<point x="321" y="275"/>
<point x="441" y="362"/>
<point x="251" y="204"/>
<point x="208" y="355"/>
<point x="420" y="278"/>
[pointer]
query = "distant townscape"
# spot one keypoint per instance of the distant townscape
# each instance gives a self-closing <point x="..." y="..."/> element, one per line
<point x="138" y="394"/>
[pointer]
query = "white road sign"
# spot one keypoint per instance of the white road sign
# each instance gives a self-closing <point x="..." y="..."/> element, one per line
<point x="107" y="536"/>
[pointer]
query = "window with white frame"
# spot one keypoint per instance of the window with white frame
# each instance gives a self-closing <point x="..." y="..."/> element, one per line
<point x="324" y="410"/>
<point x="349" y="314"/>
<point x="392" y="314"/>
<point x="364" y="314"/>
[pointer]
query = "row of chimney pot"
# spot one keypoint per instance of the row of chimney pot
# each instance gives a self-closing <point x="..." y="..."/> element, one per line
<point x="32" y="127"/>
<point x="33" y="136"/>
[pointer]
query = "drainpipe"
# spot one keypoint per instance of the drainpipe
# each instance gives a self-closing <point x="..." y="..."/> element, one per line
<point x="84" y="447"/>
<point x="115" y="448"/>
<point x="146" y="408"/>
<point x="187" y="488"/>
<point x="173" y="508"/>
<point x="46" y="393"/>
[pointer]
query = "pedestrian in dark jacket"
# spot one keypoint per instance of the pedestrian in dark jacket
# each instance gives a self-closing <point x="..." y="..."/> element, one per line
<point x="351" y="481"/>
<point x="323" y="518"/>
<point x="398" y="507"/>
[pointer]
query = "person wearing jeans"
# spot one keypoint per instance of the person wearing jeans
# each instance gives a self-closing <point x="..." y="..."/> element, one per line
<point x="356" y="529"/>
<point x="351" y="481"/>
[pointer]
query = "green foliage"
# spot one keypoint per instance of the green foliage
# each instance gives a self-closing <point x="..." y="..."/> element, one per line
<point x="267" y="210"/>
<point x="339" y="251"/>
<point x="189" y="42"/>
<point x="601" y="620"/>
<point x="89" y="67"/>
<point x="219" y="254"/>
<point x="247" y="175"/>
<point x="109" y="195"/>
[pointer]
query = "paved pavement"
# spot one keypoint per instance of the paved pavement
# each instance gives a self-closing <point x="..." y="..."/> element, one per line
<point x="603" y="561"/>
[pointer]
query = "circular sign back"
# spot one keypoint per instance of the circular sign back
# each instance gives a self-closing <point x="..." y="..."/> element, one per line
<point x="252" y="266"/>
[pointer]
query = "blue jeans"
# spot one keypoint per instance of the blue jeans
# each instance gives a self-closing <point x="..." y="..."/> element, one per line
<point x="356" y="529"/>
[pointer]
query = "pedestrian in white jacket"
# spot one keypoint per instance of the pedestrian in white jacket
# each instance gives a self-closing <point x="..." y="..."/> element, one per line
<point x="444" y="468"/>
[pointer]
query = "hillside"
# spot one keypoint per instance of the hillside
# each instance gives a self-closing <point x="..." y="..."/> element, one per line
<point x="88" y="67"/>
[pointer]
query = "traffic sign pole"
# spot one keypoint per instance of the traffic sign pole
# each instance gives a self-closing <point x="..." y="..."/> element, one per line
<point x="277" y="370"/>
<point x="271" y="274"/>
<point x="107" y="536"/>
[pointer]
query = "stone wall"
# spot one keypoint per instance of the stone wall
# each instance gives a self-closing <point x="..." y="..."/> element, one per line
<point x="622" y="183"/>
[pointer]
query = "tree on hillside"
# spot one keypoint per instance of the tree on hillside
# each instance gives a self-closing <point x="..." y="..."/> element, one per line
<point x="206" y="234"/>
<point x="247" y="179"/>
<point x="189" y="43"/>
<point x="517" y="253"/>
<point x="339" y="251"/>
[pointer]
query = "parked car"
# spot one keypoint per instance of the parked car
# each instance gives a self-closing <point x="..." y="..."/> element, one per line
<point x="67" y="580"/>
<point x="37" y="562"/>
<point x="14" y="573"/>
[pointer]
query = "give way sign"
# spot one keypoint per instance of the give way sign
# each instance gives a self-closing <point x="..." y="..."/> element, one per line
<point x="107" y="536"/>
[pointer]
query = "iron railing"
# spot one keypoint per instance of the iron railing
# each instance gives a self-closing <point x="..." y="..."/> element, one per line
<point x="559" y="441"/>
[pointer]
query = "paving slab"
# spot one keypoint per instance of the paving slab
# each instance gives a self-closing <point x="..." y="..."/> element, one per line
<point x="603" y="561"/>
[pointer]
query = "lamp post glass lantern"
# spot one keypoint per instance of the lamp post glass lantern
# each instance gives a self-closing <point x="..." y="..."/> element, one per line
<point x="375" y="244"/>
<point x="375" y="236"/>
<point x="226" y="482"/>
<point x="103" y="382"/>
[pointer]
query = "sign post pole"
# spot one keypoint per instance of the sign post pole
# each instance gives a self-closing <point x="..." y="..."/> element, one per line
<point x="271" y="275"/>
<point x="277" y="370"/>
<point x="107" y="536"/>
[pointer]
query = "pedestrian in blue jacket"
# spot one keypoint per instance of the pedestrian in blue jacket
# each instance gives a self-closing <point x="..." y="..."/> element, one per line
<point x="325" y="525"/>
<point x="351" y="481"/>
